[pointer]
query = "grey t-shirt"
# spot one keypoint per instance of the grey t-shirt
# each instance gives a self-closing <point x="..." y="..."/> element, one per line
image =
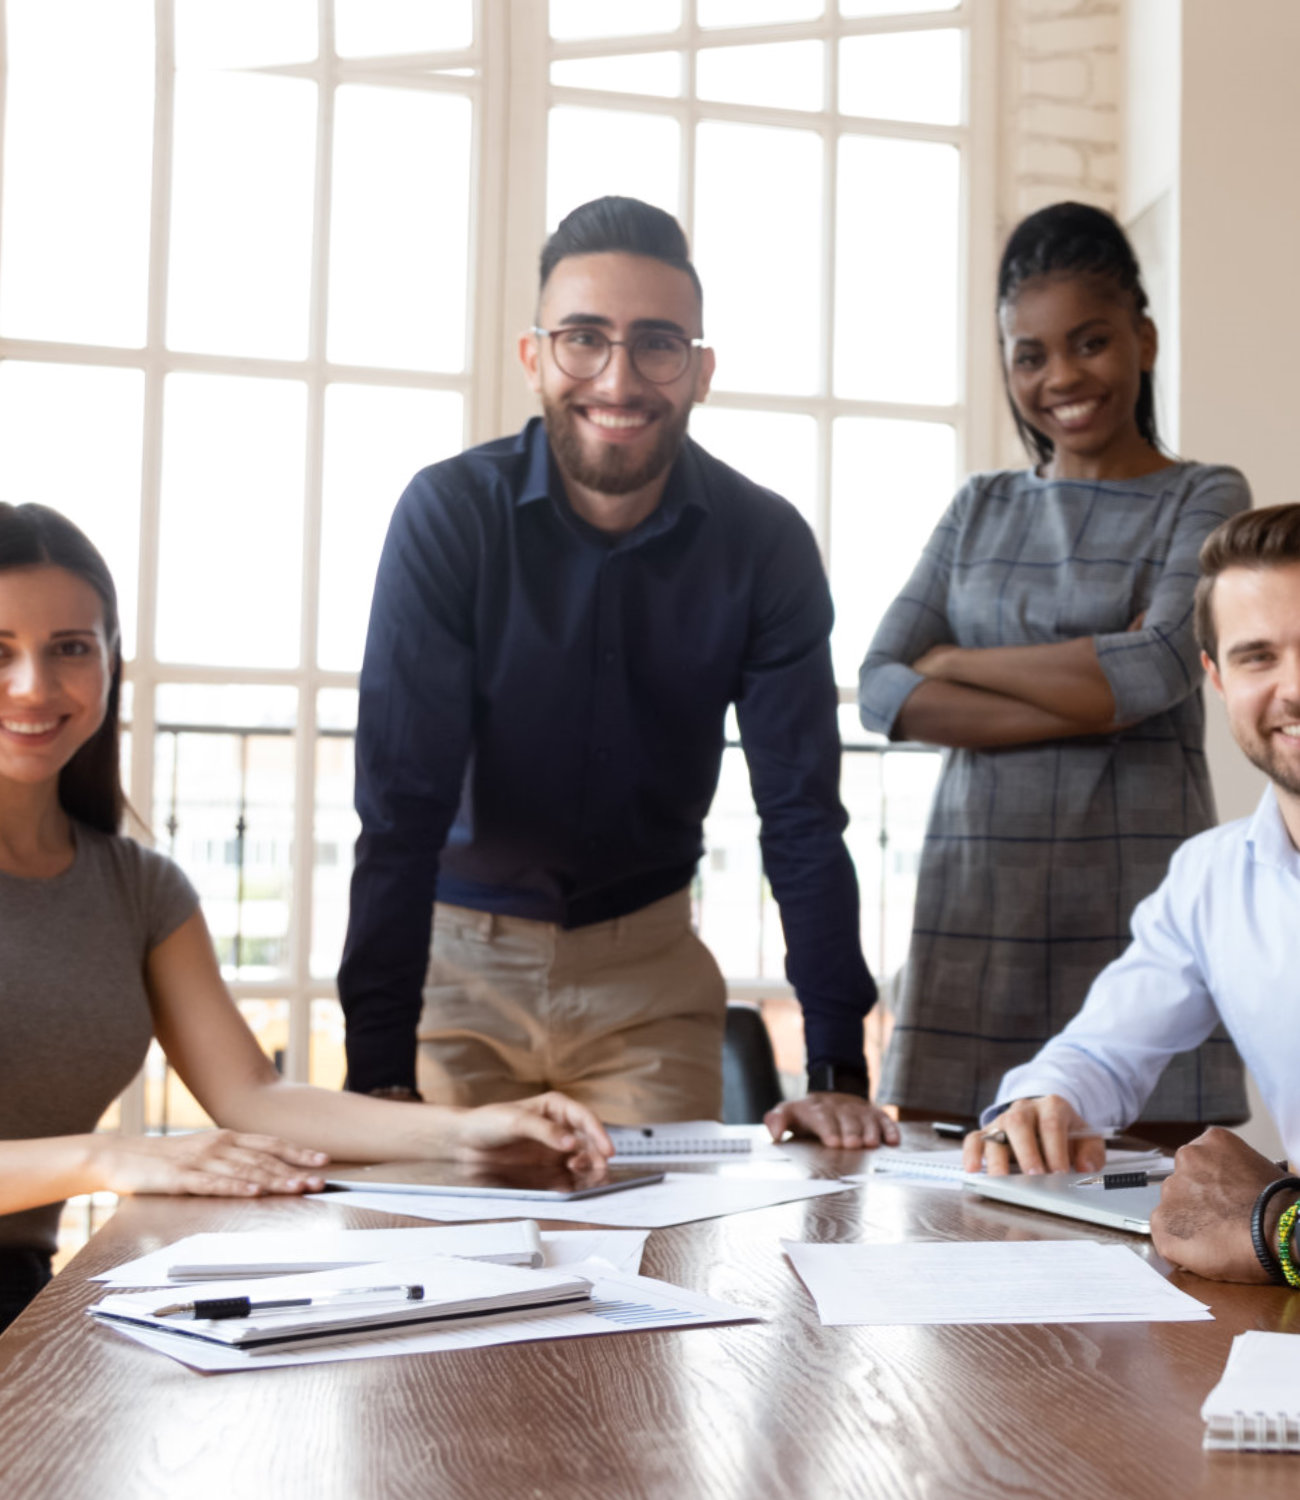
<point x="75" y="1022"/>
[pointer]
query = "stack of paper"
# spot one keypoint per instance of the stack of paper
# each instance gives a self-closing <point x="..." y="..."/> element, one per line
<point x="449" y="1290"/>
<point x="249" y="1253"/>
<point x="619" y="1302"/>
<point x="1031" y="1281"/>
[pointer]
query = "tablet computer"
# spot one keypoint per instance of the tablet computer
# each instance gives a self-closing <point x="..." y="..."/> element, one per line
<point x="554" y="1184"/>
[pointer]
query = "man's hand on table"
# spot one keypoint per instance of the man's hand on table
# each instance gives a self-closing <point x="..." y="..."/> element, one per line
<point x="1203" y="1220"/>
<point x="841" y="1120"/>
<point x="1042" y="1135"/>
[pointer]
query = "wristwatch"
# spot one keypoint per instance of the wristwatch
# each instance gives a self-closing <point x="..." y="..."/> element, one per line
<point x="833" y="1078"/>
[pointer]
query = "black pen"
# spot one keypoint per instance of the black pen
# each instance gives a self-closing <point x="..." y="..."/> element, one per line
<point x="243" y="1307"/>
<point x="1127" y="1179"/>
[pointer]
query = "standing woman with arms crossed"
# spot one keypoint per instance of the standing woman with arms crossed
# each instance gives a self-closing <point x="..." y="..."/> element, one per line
<point x="1045" y="638"/>
<point x="102" y="946"/>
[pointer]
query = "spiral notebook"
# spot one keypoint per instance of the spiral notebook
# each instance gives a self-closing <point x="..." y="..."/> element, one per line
<point x="683" y="1138"/>
<point x="1256" y="1404"/>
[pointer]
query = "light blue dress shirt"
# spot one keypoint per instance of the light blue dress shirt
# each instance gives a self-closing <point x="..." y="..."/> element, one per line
<point x="1219" y="940"/>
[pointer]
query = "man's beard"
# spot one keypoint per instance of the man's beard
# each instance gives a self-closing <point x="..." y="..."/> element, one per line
<point x="615" y="471"/>
<point x="1261" y="757"/>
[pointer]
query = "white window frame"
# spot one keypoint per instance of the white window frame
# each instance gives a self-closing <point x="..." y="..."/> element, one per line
<point x="511" y="93"/>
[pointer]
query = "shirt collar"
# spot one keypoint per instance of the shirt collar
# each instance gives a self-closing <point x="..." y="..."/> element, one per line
<point x="1268" y="837"/>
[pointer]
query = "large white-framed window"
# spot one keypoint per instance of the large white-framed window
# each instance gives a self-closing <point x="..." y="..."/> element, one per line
<point x="258" y="264"/>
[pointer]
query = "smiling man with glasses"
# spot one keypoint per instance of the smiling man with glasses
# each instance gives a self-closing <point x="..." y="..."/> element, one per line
<point x="561" y="621"/>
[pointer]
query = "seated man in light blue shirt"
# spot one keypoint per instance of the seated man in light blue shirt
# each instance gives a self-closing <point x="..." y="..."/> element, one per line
<point x="1218" y="941"/>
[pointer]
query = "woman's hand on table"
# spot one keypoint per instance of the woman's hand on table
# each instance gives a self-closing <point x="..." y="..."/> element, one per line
<point x="211" y="1164"/>
<point x="534" y="1129"/>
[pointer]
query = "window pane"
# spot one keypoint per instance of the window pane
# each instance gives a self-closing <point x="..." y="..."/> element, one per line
<point x="781" y="75"/>
<point x="376" y="438"/>
<point x="231" y="529"/>
<point x="761" y="265"/>
<point x="897" y="257"/>
<point x="226" y="705"/>
<point x="907" y="76"/>
<point x="399" y="237"/>
<point x="328" y="1065"/>
<point x="223" y="809"/>
<point x="242" y="186"/>
<point x="96" y="479"/>
<point x="583" y="18"/>
<point x="850" y="8"/>
<point x="731" y="890"/>
<point x="244" y="33"/>
<point x="591" y="152"/>
<point x="78" y="153"/>
<point x="756" y="12"/>
<point x="657" y="73"/>
<point x="890" y="483"/>
<point x="336" y="828"/>
<point x="774" y="449"/>
<point x="363" y="28"/>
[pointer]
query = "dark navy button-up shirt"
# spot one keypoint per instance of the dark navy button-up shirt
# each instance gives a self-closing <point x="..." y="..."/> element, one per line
<point x="541" y="726"/>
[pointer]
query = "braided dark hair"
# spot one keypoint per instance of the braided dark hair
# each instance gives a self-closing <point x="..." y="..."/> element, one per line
<point x="1085" y="241"/>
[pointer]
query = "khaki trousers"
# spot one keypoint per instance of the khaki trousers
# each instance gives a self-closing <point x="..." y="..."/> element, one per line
<point x="626" y="1016"/>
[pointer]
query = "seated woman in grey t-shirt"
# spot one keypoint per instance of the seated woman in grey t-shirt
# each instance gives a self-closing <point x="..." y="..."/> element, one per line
<point x="102" y="946"/>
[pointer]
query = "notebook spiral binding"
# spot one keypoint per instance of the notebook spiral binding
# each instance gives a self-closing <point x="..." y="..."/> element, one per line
<point x="1264" y="1432"/>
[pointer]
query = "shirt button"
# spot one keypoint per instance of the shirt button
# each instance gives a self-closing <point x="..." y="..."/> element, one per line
<point x="609" y="656"/>
<point x="602" y="757"/>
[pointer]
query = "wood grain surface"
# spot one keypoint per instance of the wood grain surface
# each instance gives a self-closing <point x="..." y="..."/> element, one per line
<point x="782" y="1408"/>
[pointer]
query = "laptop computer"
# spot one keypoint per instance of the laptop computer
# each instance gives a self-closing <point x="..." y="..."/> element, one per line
<point x="1074" y="1195"/>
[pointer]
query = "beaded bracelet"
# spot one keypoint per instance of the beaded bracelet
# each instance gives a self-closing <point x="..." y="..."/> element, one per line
<point x="1285" y="1232"/>
<point x="1263" y="1250"/>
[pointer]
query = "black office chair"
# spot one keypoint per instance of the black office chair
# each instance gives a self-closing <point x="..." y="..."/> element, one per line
<point x="750" y="1086"/>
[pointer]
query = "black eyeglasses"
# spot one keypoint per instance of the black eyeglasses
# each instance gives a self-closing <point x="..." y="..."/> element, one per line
<point x="582" y="353"/>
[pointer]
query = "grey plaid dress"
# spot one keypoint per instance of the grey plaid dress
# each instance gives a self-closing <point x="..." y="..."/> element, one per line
<point x="1036" y="855"/>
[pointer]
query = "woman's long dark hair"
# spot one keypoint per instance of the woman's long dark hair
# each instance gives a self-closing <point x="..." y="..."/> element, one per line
<point x="33" y="536"/>
<point x="1074" y="238"/>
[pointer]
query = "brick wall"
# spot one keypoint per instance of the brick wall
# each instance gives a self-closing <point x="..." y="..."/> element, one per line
<point x="1059" y="119"/>
<point x="1061" y="95"/>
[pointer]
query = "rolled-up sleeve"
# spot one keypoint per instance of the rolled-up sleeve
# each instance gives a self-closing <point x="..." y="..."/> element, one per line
<point x="1152" y="669"/>
<point x="913" y="623"/>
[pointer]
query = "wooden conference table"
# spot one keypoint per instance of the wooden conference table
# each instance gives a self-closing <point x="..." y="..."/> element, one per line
<point x="781" y="1408"/>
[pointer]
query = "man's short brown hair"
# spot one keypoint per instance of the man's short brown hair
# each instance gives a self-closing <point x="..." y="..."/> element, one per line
<point x="1264" y="538"/>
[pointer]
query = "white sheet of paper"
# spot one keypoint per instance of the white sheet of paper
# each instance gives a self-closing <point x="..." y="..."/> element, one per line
<point x="1032" y="1281"/>
<point x="620" y="1247"/>
<point x="681" y="1198"/>
<point x="1261" y="1377"/>
<point x="621" y="1303"/>
<point x="338" y="1247"/>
